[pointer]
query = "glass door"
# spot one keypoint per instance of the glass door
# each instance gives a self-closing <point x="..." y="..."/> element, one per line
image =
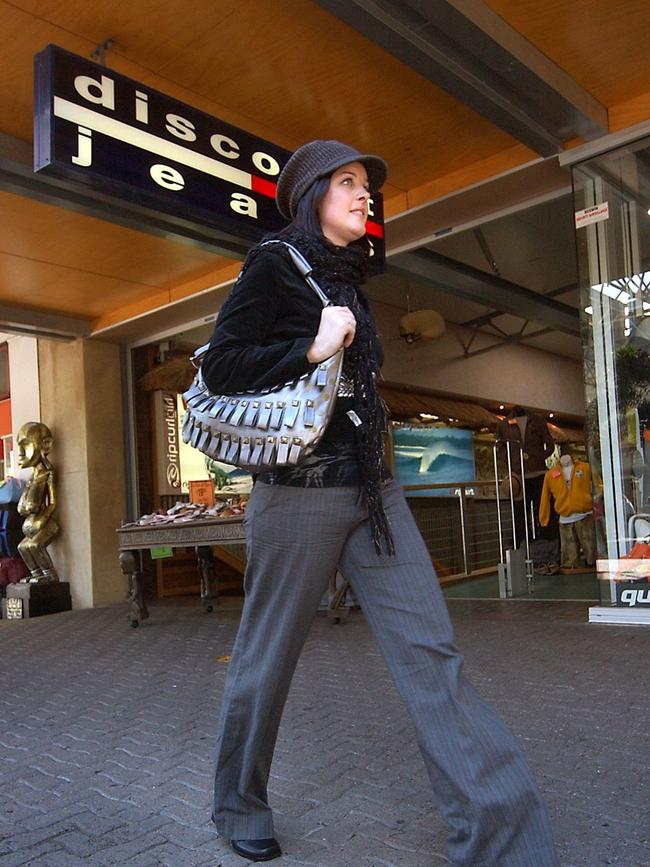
<point x="612" y="213"/>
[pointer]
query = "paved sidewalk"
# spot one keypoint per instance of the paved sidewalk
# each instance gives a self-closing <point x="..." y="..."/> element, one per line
<point x="107" y="734"/>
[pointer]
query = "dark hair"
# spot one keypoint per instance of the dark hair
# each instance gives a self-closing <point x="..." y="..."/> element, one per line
<point x="307" y="219"/>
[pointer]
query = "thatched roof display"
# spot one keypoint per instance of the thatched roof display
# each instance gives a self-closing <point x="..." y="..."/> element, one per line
<point x="174" y="374"/>
<point x="565" y="434"/>
<point x="404" y="403"/>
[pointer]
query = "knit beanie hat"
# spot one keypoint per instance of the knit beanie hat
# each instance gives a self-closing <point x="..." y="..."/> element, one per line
<point x="317" y="159"/>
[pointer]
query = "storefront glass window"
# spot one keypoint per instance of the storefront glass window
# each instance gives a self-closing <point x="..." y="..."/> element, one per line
<point x="612" y="204"/>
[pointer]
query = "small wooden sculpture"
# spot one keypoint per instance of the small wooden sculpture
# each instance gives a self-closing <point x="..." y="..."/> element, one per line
<point x="37" y="502"/>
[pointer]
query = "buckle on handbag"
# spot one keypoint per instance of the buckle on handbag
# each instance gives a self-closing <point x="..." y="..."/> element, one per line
<point x="251" y="413"/>
<point x="229" y="409"/>
<point x="234" y="450"/>
<point x="239" y="413"/>
<point x="295" y="451"/>
<point x="219" y="405"/>
<point x="225" y="445"/>
<point x="256" y="456"/>
<point x="245" y="450"/>
<point x="196" y="433"/>
<point x="276" y="415"/>
<point x="283" y="451"/>
<point x="195" y="398"/>
<point x="291" y="413"/>
<point x="269" y="448"/>
<point x="212" y="450"/>
<point x="203" y="403"/>
<point x="204" y="439"/>
<point x="265" y="416"/>
<point x="188" y="425"/>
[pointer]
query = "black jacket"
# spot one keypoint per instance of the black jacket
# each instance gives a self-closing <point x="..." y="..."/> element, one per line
<point x="537" y="443"/>
<point x="264" y="329"/>
<point x="263" y="332"/>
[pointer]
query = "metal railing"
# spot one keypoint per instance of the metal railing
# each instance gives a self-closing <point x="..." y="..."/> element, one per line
<point x="519" y="469"/>
<point x="462" y="531"/>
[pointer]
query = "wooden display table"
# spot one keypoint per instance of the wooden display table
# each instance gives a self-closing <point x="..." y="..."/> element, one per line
<point x="201" y="535"/>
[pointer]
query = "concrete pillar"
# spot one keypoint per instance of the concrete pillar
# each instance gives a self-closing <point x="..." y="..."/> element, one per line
<point x="81" y="404"/>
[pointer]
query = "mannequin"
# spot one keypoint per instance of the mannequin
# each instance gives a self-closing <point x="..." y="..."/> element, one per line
<point x="569" y="486"/>
<point x="530" y="432"/>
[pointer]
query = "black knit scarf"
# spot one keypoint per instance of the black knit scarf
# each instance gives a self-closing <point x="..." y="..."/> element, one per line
<point x="340" y="271"/>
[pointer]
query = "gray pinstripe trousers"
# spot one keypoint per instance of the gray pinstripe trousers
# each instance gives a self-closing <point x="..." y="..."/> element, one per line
<point x="296" y="537"/>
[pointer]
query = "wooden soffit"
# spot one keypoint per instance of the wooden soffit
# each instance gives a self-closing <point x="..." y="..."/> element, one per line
<point x="288" y="72"/>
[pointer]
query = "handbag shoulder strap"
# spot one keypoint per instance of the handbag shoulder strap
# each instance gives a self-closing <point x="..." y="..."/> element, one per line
<point x="302" y="266"/>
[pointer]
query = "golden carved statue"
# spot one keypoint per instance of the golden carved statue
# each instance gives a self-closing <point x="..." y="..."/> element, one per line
<point x="37" y="502"/>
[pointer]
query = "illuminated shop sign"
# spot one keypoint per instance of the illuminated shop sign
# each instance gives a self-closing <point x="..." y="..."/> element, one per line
<point x="126" y="140"/>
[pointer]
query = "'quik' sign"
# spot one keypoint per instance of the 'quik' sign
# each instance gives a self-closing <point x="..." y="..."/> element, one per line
<point x="634" y="597"/>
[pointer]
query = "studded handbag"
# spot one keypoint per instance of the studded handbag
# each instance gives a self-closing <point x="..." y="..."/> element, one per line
<point x="266" y="428"/>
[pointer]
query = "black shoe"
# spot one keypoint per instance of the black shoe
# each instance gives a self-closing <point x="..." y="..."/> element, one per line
<point x="257" y="850"/>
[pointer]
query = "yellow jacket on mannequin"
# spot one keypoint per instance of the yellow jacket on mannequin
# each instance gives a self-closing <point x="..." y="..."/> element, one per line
<point x="568" y="499"/>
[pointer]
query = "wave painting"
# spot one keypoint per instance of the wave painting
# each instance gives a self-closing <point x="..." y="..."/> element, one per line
<point x="433" y="456"/>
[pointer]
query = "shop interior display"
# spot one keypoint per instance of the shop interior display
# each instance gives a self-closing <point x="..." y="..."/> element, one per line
<point x="568" y="487"/>
<point x="182" y="513"/>
<point x="433" y="439"/>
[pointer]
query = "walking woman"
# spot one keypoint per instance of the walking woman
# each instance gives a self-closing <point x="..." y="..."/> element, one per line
<point x="340" y="508"/>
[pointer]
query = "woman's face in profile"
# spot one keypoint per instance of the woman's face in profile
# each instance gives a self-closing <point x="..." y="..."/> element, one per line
<point x="344" y="209"/>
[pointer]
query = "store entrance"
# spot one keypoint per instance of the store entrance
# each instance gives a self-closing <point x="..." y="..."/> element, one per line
<point x="507" y="289"/>
<point x="487" y="409"/>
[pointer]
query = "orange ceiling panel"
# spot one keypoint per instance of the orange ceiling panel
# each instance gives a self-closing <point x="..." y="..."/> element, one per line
<point x="58" y="236"/>
<point x="56" y="288"/>
<point x="25" y="34"/>
<point x="61" y="260"/>
<point x="602" y="45"/>
<point x="286" y="71"/>
<point x="289" y="68"/>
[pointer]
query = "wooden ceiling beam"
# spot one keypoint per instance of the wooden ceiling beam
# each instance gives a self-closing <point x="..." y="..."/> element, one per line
<point x="458" y="205"/>
<point x="447" y="275"/>
<point x="40" y="323"/>
<point x="475" y="55"/>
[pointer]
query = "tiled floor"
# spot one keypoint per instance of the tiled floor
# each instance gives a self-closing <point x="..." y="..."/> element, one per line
<point x="107" y="736"/>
